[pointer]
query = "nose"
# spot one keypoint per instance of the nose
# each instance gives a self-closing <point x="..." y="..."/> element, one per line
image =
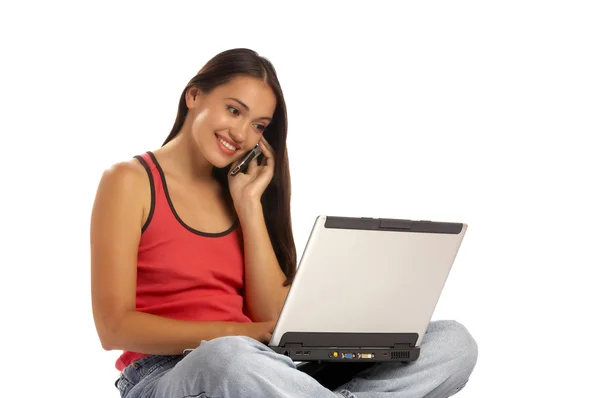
<point x="239" y="132"/>
<point x="237" y="135"/>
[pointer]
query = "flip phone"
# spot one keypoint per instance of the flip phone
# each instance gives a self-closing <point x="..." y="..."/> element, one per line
<point x="245" y="161"/>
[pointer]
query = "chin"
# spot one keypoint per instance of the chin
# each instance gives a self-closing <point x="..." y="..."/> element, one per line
<point x="218" y="160"/>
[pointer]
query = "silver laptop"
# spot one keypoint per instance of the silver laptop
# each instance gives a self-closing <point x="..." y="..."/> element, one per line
<point x="366" y="289"/>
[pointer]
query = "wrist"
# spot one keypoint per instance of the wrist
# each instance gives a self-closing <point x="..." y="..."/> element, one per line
<point x="249" y="209"/>
<point x="239" y="329"/>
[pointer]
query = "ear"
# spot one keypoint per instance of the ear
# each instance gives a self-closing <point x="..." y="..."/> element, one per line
<point x="193" y="96"/>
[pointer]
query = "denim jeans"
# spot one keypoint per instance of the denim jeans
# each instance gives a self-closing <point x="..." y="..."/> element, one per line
<point x="237" y="367"/>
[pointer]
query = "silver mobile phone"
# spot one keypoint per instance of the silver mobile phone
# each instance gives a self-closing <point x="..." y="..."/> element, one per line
<point x="245" y="161"/>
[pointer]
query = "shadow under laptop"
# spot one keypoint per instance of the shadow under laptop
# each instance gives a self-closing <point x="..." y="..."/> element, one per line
<point x="332" y="375"/>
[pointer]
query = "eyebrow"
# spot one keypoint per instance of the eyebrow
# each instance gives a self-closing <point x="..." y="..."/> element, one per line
<point x="247" y="108"/>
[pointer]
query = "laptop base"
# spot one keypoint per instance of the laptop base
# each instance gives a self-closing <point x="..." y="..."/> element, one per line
<point x="349" y="347"/>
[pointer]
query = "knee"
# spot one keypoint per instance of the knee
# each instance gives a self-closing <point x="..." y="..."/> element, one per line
<point x="229" y="356"/>
<point x="456" y="344"/>
<point x="226" y="354"/>
<point x="229" y="346"/>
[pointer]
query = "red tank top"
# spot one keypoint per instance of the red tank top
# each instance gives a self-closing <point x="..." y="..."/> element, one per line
<point x="183" y="273"/>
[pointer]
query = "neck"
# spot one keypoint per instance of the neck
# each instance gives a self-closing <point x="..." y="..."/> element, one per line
<point x="180" y="155"/>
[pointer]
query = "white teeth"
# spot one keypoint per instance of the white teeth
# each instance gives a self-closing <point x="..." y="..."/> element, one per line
<point x="227" y="145"/>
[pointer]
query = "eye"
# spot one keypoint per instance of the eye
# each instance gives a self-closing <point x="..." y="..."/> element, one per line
<point x="260" y="127"/>
<point x="233" y="110"/>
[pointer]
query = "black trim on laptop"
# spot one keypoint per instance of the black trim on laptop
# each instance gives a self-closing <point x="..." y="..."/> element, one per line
<point x="365" y="223"/>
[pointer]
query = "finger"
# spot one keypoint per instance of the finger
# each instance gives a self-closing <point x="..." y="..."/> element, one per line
<point x="264" y="177"/>
<point x="264" y="140"/>
<point x="266" y="148"/>
<point x="269" y="160"/>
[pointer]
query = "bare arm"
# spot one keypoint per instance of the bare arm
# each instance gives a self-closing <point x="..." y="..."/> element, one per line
<point x="264" y="290"/>
<point x="152" y="334"/>
<point x="117" y="218"/>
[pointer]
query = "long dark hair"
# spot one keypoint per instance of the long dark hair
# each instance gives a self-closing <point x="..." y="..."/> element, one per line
<point x="276" y="199"/>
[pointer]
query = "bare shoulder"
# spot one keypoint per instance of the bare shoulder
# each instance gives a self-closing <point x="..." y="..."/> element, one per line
<point x="124" y="178"/>
<point x="126" y="173"/>
<point x="123" y="187"/>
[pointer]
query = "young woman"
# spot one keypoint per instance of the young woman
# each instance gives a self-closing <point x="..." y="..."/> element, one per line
<point x="183" y="255"/>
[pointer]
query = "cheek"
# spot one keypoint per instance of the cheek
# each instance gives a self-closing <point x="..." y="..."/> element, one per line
<point x="207" y="123"/>
<point x="200" y="125"/>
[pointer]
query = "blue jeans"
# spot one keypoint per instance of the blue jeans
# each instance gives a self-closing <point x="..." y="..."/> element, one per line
<point x="238" y="367"/>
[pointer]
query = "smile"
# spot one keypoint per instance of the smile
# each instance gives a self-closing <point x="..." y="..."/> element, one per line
<point x="225" y="146"/>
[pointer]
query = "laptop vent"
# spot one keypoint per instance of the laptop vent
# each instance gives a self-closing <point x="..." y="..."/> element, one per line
<point x="400" y="355"/>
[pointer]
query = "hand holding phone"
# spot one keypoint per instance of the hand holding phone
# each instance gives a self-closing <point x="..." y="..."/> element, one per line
<point x="249" y="187"/>
<point x="245" y="161"/>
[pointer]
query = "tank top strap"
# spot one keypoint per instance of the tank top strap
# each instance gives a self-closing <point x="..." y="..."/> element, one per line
<point x="158" y="201"/>
<point x="148" y="161"/>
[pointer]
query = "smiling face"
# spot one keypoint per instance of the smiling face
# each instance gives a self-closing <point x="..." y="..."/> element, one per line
<point x="230" y="120"/>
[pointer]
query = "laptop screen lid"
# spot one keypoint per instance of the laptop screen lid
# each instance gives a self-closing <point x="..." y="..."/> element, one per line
<point x="364" y="282"/>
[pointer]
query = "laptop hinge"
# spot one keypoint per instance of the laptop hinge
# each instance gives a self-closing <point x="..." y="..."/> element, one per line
<point x="325" y="339"/>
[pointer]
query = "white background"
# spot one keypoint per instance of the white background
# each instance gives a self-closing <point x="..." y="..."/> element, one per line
<point x="478" y="112"/>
